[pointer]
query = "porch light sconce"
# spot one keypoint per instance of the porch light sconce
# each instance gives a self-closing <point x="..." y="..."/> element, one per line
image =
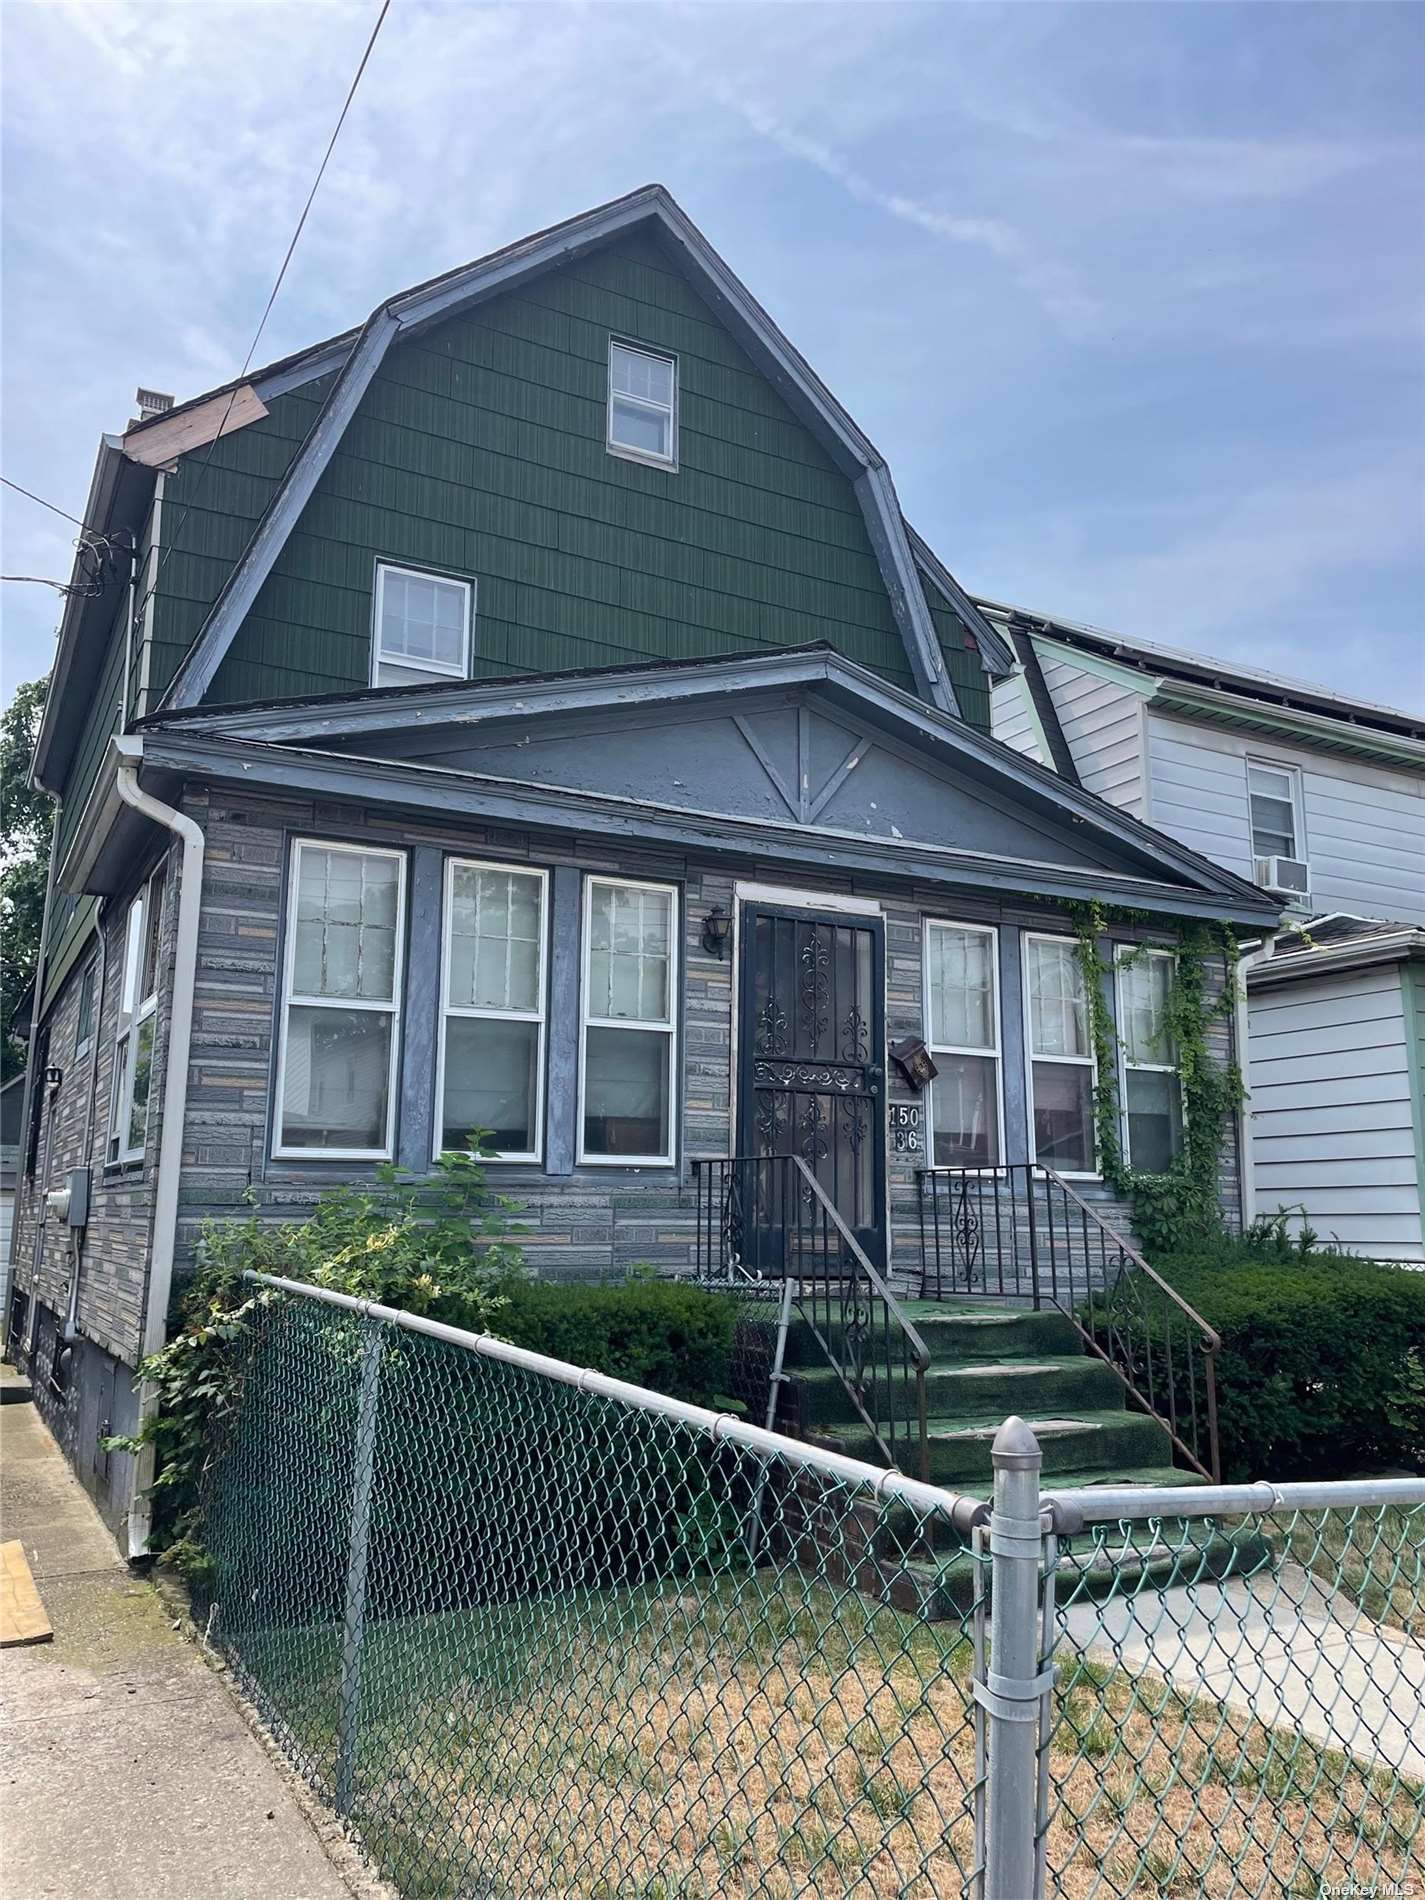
<point x="913" y="1059"/>
<point x="53" y="1078"/>
<point x="717" y="926"/>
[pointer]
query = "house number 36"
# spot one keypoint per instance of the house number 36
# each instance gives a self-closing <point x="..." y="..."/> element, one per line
<point x="905" y="1127"/>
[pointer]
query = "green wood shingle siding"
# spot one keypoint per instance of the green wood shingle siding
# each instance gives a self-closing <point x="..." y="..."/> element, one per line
<point x="479" y="449"/>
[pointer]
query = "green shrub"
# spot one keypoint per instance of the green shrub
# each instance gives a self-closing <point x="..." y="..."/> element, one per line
<point x="1322" y="1368"/>
<point x="665" y="1334"/>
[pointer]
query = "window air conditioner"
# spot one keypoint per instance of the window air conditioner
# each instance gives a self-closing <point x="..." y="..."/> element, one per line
<point x="1284" y="877"/>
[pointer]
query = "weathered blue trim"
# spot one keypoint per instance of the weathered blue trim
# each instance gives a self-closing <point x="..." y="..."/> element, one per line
<point x="789" y="372"/>
<point x="1014" y="1046"/>
<point x="767" y="763"/>
<point x="418" y="1108"/>
<point x="995" y="652"/>
<point x="416" y="789"/>
<point x="877" y="496"/>
<point x="561" y="1093"/>
<point x="944" y="738"/>
<point x="234" y="603"/>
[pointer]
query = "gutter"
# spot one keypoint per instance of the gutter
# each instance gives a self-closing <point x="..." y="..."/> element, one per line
<point x="1357" y="953"/>
<point x="127" y="754"/>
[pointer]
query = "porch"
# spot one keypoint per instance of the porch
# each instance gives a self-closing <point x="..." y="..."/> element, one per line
<point x="1024" y="1299"/>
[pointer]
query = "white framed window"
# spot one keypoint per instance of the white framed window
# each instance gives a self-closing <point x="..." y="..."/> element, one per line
<point x="84" y="1013"/>
<point x="490" y="1067"/>
<point x="643" y="404"/>
<point x="131" y="1084"/>
<point x="1150" y="1088"/>
<point x="1062" y="1070"/>
<point x="341" y="1002"/>
<point x="966" y="1115"/>
<point x="1274" y="796"/>
<point x="420" y="626"/>
<point x="628" y="1037"/>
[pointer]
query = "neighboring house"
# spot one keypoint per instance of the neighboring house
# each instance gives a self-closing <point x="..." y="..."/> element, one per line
<point x="532" y="712"/>
<point x="1320" y="798"/>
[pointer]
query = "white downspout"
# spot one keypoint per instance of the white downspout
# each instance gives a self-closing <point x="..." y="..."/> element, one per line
<point x="1242" y="1029"/>
<point x="129" y="754"/>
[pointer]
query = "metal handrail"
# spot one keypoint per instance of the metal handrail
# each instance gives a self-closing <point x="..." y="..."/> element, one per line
<point x="851" y="1367"/>
<point x="1130" y="1355"/>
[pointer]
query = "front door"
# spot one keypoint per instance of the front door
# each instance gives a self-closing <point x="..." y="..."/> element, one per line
<point x="811" y="1041"/>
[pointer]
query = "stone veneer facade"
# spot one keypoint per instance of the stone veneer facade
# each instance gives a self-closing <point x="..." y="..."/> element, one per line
<point x="587" y="1222"/>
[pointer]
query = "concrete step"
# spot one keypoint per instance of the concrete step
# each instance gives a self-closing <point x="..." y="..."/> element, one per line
<point x="961" y="1332"/>
<point x="1004" y="1386"/>
<point x="1079" y="1441"/>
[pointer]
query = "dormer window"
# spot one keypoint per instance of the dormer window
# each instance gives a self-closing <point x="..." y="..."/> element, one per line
<point x="420" y="627"/>
<point x="643" y="405"/>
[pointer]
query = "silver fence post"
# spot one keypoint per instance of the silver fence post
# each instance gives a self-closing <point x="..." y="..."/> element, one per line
<point x="1013" y="1689"/>
<point x="354" y="1612"/>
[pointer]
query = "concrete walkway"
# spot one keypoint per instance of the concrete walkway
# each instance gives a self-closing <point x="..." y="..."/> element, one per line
<point x="1280" y="1648"/>
<point x="126" y="1770"/>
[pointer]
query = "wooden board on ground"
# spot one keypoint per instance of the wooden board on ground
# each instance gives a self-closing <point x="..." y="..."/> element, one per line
<point x="22" y="1615"/>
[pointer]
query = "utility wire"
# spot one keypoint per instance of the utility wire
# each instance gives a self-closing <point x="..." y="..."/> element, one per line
<point x="30" y="495"/>
<point x="267" y="311"/>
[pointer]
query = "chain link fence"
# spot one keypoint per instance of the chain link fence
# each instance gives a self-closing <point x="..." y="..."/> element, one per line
<point x="534" y="1632"/>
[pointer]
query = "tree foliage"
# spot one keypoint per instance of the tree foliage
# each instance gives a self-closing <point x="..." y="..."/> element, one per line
<point x="26" y="825"/>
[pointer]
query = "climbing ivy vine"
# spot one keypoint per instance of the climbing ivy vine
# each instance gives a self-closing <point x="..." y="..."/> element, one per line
<point x="1181" y="1205"/>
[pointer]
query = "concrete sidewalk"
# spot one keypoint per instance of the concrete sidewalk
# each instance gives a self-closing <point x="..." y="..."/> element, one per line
<point x="126" y="1770"/>
<point x="1280" y="1648"/>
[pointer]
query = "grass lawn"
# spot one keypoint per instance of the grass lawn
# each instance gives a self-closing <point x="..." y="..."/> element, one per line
<point x="755" y="1734"/>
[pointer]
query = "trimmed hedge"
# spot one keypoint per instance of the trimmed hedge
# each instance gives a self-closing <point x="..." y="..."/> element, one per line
<point x="665" y="1334"/>
<point x="1322" y="1368"/>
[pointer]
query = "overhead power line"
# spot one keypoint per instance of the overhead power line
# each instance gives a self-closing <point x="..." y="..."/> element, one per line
<point x="93" y="581"/>
<point x="30" y="495"/>
<point x="191" y="502"/>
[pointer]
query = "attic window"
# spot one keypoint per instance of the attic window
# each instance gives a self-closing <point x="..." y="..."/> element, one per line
<point x="643" y="405"/>
<point x="421" y="627"/>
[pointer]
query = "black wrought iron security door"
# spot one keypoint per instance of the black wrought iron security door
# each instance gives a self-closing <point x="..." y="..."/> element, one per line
<point x="811" y="1042"/>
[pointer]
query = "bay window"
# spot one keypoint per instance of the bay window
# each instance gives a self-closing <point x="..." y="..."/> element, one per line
<point x="131" y="1083"/>
<point x="341" y="1008"/>
<point x="962" y="1019"/>
<point x="493" y="1017"/>
<point x="1150" y="1088"/>
<point x="628" y="1030"/>
<point x="1061" y="1060"/>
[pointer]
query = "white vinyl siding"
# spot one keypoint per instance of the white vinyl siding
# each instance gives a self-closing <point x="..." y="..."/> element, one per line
<point x="1363" y="825"/>
<point x="1331" y="1120"/>
<point x="1102" y="723"/>
<point x="1013" y="720"/>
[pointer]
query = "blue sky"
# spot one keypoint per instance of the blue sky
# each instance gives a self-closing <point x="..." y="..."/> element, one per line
<point x="1130" y="296"/>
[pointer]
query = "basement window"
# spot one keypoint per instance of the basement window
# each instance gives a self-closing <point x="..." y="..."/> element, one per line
<point x="421" y="627"/>
<point x="643" y="405"/>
